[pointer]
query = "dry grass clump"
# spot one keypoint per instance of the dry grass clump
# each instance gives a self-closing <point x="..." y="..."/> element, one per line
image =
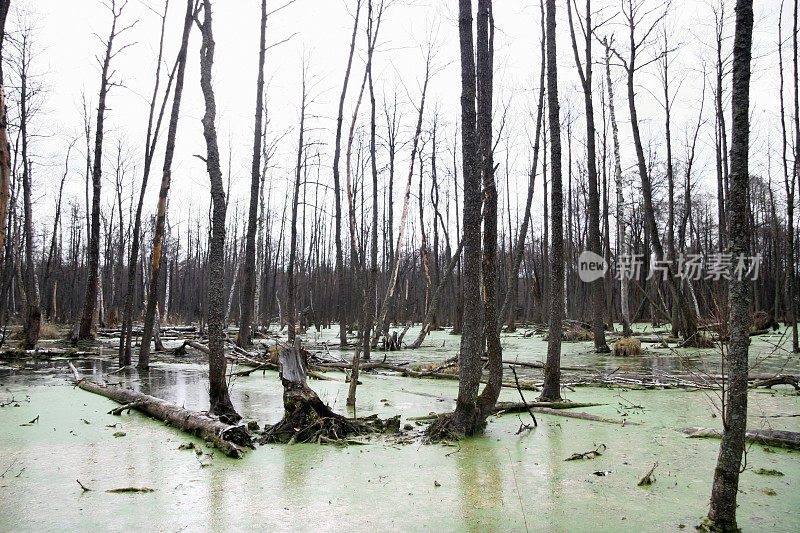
<point x="627" y="346"/>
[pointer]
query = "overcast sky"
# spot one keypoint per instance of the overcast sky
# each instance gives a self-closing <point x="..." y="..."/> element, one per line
<point x="319" y="32"/>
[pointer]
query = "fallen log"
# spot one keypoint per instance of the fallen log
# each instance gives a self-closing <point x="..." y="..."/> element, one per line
<point x="546" y="408"/>
<point x="770" y="437"/>
<point x="231" y="440"/>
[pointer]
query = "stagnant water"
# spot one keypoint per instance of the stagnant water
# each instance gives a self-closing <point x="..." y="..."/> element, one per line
<point x="501" y="481"/>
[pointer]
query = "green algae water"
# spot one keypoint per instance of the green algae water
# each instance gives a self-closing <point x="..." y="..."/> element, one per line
<point x="53" y="435"/>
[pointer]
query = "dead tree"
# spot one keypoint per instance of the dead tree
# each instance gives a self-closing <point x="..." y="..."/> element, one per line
<point x="249" y="282"/>
<point x="85" y="330"/>
<point x="381" y="325"/>
<point x="33" y="312"/>
<point x="166" y="180"/>
<point x="337" y="153"/>
<point x="585" y="74"/>
<point x="291" y="299"/>
<point x="149" y="151"/>
<point x="622" y="248"/>
<point x="220" y="400"/>
<point x="551" y="390"/>
<point x="722" y="513"/>
<point x="632" y="12"/>
<point x="507" y="311"/>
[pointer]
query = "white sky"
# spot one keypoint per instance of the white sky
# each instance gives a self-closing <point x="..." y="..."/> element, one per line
<point x="67" y="46"/>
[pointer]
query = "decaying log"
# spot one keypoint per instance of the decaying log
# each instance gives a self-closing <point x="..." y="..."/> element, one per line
<point x="770" y="437"/>
<point x="231" y="440"/>
<point x="778" y="380"/>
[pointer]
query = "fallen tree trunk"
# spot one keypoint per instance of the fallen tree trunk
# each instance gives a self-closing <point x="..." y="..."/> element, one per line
<point x="555" y="409"/>
<point x="771" y="437"/>
<point x="231" y="440"/>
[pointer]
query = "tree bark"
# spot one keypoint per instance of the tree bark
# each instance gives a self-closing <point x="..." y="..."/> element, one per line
<point x="722" y="513"/>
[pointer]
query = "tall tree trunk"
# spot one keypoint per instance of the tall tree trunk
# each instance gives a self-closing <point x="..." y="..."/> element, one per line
<point x="625" y="311"/>
<point x="86" y="327"/>
<point x="337" y="153"/>
<point x="5" y="155"/>
<point x="485" y="81"/>
<point x="161" y="208"/>
<point x="291" y="299"/>
<point x="551" y="390"/>
<point x="249" y="284"/>
<point x="220" y="400"/>
<point x="125" y="339"/>
<point x="466" y="416"/>
<point x="722" y="513"/>
<point x="33" y="313"/>
<point x="585" y="74"/>
<point x="689" y="323"/>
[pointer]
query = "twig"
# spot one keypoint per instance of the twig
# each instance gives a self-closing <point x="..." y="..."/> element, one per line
<point x="516" y="381"/>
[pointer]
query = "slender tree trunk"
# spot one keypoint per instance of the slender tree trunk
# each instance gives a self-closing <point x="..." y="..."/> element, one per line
<point x="337" y="153"/>
<point x="722" y="513"/>
<point x="551" y="390"/>
<point x="87" y="325"/>
<point x="33" y="313"/>
<point x="5" y="156"/>
<point x="485" y="81"/>
<point x="249" y="284"/>
<point x="125" y="339"/>
<point x="291" y="299"/>
<point x="622" y="247"/>
<point x="161" y="208"/>
<point x="585" y="74"/>
<point x="220" y="400"/>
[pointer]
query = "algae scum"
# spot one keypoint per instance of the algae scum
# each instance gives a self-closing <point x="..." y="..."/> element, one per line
<point x="57" y="440"/>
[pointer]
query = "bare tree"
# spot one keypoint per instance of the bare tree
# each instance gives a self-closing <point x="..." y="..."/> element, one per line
<point x="149" y="151"/>
<point x="622" y="248"/>
<point x="722" y="513"/>
<point x="221" y="404"/>
<point x="86" y="326"/>
<point x="585" y="75"/>
<point x="337" y="153"/>
<point x="166" y="181"/>
<point x="22" y="63"/>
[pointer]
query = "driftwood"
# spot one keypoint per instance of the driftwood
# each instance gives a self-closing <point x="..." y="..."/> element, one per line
<point x="231" y="440"/>
<point x="771" y="437"/>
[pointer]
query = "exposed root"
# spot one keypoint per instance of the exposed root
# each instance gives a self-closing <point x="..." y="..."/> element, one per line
<point x="449" y="427"/>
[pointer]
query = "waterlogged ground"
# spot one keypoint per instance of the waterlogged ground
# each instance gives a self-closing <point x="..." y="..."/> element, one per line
<point x="502" y="481"/>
